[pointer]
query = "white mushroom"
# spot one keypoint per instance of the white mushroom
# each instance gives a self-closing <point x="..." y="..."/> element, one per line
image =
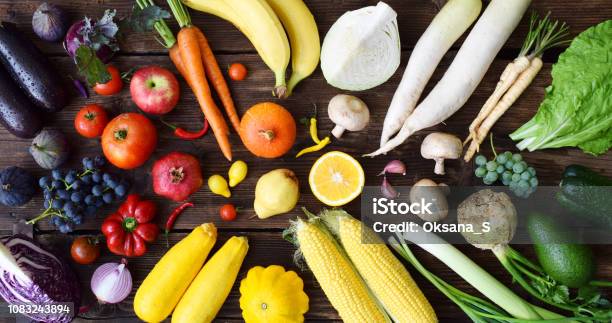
<point x="348" y="113"/>
<point x="427" y="191"/>
<point x="440" y="146"/>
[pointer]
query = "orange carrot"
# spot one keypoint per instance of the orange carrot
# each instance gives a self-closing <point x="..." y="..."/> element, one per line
<point x="214" y="75"/>
<point x="175" y="56"/>
<point x="191" y="57"/>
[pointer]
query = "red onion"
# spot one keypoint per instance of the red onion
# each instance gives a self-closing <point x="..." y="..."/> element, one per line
<point x="112" y="282"/>
<point x="394" y="167"/>
<point x="387" y="190"/>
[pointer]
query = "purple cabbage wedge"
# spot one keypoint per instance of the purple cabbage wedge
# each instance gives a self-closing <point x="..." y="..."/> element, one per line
<point x="29" y="274"/>
<point x="92" y="43"/>
<point x="99" y="35"/>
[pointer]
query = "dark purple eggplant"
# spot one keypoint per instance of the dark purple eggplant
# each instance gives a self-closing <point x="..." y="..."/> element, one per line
<point x="17" y="114"/>
<point x="31" y="70"/>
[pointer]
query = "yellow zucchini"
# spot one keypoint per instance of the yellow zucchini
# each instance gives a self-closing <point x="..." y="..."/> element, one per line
<point x="207" y="293"/>
<point x="163" y="287"/>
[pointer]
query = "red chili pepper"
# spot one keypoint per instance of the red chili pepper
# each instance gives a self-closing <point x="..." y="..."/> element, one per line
<point x="186" y="134"/>
<point x="172" y="219"/>
<point x="174" y="215"/>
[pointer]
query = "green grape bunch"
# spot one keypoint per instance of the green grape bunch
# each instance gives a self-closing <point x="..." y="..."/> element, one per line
<point x="510" y="169"/>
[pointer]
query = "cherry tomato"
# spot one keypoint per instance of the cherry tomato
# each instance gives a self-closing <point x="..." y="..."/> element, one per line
<point x="113" y="86"/>
<point x="228" y="212"/>
<point x="237" y="72"/>
<point x="128" y="140"/>
<point x="91" y="120"/>
<point x="85" y="250"/>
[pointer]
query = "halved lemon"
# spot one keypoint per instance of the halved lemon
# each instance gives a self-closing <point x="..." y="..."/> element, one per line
<point x="336" y="178"/>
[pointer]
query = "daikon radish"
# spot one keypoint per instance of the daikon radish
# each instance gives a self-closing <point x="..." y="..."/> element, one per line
<point x="466" y="71"/>
<point x="446" y="27"/>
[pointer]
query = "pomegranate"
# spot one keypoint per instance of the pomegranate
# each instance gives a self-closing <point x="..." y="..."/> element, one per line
<point x="176" y="176"/>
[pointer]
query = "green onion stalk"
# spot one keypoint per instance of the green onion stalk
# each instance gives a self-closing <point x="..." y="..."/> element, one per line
<point x="529" y="275"/>
<point x="505" y="305"/>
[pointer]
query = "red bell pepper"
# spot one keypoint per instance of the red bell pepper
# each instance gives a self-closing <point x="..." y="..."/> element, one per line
<point x="129" y="229"/>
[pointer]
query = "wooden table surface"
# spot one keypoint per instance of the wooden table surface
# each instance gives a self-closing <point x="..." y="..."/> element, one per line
<point x="266" y="244"/>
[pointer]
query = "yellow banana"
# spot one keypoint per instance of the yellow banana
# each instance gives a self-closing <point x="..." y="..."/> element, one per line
<point x="259" y="23"/>
<point x="303" y="36"/>
<point x="220" y="9"/>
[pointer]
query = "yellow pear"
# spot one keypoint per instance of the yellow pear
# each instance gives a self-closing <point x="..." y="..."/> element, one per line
<point x="276" y="192"/>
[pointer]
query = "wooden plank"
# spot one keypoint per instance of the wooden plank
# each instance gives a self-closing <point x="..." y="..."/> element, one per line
<point x="269" y="248"/>
<point x="256" y="88"/>
<point x="413" y="18"/>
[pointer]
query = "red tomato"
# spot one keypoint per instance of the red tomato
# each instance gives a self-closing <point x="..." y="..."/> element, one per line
<point x="128" y="140"/>
<point x="113" y="86"/>
<point x="91" y="120"/>
<point x="228" y="212"/>
<point x="237" y="72"/>
<point x="85" y="250"/>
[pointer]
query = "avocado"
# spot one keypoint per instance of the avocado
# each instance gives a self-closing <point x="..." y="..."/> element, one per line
<point x="570" y="264"/>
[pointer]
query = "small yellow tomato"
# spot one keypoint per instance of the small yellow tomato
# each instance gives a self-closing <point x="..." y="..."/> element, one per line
<point x="218" y="185"/>
<point x="237" y="173"/>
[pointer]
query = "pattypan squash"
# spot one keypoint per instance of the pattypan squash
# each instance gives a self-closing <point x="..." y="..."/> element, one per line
<point x="272" y="294"/>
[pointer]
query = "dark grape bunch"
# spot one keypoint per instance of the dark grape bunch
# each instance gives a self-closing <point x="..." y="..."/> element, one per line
<point x="70" y="195"/>
<point x="511" y="170"/>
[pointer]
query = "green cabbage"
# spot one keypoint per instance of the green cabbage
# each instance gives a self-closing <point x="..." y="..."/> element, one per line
<point x="577" y="108"/>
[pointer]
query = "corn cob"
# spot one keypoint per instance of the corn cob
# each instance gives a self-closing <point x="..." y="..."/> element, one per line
<point x="383" y="273"/>
<point x="341" y="284"/>
<point x="208" y="291"/>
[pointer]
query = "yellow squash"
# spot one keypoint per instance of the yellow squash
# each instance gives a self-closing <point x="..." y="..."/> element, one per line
<point x="163" y="287"/>
<point x="272" y="294"/>
<point x="208" y="291"/>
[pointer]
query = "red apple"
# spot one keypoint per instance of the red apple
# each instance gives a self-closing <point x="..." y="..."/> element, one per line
<point x="154" y="89"/>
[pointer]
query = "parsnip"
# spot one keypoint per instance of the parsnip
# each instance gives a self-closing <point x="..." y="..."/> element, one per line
<point x="466" y="71"/>
<point x="508" y="77"/>
<point x="513" y="93"/>
<point x="515" y="78"/>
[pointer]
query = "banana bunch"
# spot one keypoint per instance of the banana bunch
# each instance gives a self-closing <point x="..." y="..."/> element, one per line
<point x="262" y="21"/>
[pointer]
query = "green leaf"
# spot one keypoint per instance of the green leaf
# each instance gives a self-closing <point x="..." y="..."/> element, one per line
<point x="589" y="294"/>
<point x="101" y="33"/>
<point x="560" y="294"/>
<point x="603" y="303"/>
<point x="577" y="108"/>
<point x="90" y="66"/>
<point x="540" y="287"/>
<point x="142" y="20"/>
